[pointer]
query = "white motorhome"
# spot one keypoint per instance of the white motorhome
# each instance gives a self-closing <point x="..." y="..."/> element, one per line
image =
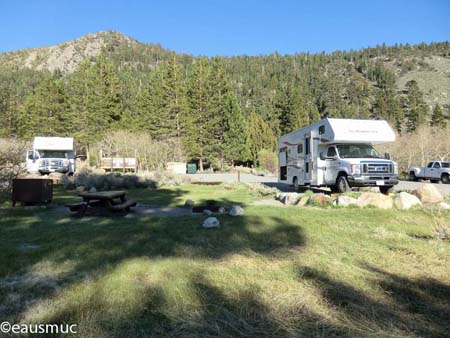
<point x="337" y="153"/>
<point x="51" y="154"/>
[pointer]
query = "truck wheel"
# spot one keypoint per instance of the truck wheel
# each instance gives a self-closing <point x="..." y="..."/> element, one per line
<point x="342" y="184"/>
<point x="412" y="176"/>
<point x="296" y="186"/>
<point x="386" y="190"/>
<point x="445" y="179"/>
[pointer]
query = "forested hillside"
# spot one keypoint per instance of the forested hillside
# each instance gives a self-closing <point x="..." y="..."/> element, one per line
<point x="227" y="108"/>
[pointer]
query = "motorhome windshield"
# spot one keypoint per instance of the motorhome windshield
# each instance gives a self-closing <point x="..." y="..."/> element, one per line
<point x="445" y="164"/>
<point x="357" y="151"/>
<point x="53" y="154"/>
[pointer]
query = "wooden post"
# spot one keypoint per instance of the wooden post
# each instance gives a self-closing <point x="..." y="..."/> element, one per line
<point x="123" y="164"/>
<point x="239" y="176"/>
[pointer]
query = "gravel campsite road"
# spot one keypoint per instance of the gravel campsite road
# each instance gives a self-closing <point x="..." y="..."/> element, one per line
<point x="273" y="182"/>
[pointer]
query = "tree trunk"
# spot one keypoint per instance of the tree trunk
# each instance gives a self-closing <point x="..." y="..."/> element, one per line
<point x="200" y="164"/>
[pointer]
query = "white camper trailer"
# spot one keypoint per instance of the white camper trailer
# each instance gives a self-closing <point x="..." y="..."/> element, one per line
<point x="337" y="153"/>
<point x="51" y="154"/>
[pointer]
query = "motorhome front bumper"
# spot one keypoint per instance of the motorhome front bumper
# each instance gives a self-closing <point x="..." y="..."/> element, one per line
<point x="372" y="181"/>
<point x="50" y="169"/>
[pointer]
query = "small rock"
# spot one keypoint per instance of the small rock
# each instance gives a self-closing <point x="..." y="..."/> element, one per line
<point x="222" y="210"/>
<point x="290" y="198"/>
<point x="207" y="212"/>
<point x="189" y="203"/>
<point x="405" y="201"/>
<point x="280" y="196"/>
<point x="443" y="206"/>
<point x="236" y="210"/>
<point x="92" y="190"/>
<point x="211" y="222"/>
<point x="345" y="201"/>
<point x="428" y="193"/>
<point x="321" y="199"/>
<point x="81" y="189"/>
<point x="375" y="199"/>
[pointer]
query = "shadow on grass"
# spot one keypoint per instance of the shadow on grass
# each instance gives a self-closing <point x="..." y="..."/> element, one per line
<point x="414" y="307"/>
<point x="94" y="245"/>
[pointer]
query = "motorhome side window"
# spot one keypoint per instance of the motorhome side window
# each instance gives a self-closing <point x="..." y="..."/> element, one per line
<point x="300" y="149"/>
<point x="307" y="146"/>
<point x="436" y="165"/>
<point x="321" y="130"/>
<point x="430" y="165"/>
<point x="331" y="152"/>
<point x="282" y="150"/>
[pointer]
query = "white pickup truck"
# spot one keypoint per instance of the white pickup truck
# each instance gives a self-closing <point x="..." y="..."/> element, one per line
<point x="435" y="171"/>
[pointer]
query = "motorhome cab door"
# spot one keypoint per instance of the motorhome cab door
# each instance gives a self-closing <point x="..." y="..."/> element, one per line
<point x="32" y="161"/>
<point x="282" y="160"/>
<point x="307" y="159"/>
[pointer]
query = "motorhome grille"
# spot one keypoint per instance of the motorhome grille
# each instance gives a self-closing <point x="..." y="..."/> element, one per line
<point x="52" y="163"/>
<point x="377" y="168"/>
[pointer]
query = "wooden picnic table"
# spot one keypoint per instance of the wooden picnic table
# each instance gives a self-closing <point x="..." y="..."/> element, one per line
<point x="110" y="200"/>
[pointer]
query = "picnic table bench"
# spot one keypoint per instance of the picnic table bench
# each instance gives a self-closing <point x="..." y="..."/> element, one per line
<point x="108" y="200"/>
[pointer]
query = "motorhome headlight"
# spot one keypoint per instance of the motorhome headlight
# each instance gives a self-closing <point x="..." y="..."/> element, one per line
<point x="356" y="169"/>
<point x="395" y="169"/>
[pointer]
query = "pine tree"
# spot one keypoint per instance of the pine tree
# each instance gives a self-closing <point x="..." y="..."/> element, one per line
<point x="260" y="136"/>
<point x="8" y="111"/>
<point x="149" y="112"/>
<point x="47" y="111"/>
<point x="437" y="117"/>
<point x="417" y="112"/>
<point x="234" y="145"/>
<point x="174" y="100"/>
<point x="199" y="119"/>
<point x="95" y="99"/>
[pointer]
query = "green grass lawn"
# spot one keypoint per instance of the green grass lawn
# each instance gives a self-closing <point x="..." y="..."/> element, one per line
<point x="274" y="272"/>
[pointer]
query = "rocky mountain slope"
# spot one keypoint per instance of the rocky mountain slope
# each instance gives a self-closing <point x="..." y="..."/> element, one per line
<point x="430" y="69"/>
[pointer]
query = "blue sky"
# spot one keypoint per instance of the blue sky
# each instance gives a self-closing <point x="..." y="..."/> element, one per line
<point x="228" y="27"/>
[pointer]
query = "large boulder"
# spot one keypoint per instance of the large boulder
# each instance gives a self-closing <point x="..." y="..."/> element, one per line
<point x="290" y="198"/>
<point x="428" y="194"/>
<point x="374" y="199"/>
<point x="319" y="199"/>
<point x="236" y="210"/>
<point x="405" y="201"/>
<point x="211" y="222"/>
<point x="93" y="190"/>
<point x="345" y="201"/>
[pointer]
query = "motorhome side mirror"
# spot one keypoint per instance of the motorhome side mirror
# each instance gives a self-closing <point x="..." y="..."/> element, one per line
<point x="322" y="156"/>
<point x="387" y="156"/>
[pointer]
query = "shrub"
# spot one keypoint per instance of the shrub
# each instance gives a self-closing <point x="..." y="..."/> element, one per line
<point x="268" y="160"/>
<point x="12" y="154"/>
<point x="102" y="181"/>
<point x="151" y="154"/>
<point x="262" y="190"/>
